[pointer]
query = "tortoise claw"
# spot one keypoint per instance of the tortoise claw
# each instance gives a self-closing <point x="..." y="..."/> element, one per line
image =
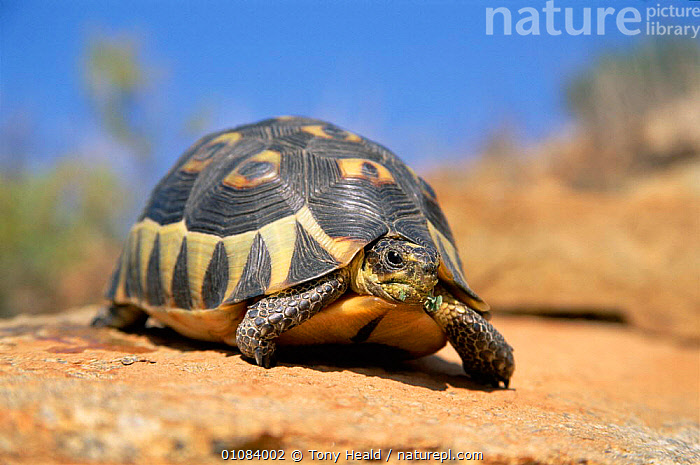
<point x="264" y="354"/>
<point x="262" y="359"/>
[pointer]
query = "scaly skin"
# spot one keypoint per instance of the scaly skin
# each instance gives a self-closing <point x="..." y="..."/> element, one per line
<point x="272" y="315"/>
<point x="486" y="356"/>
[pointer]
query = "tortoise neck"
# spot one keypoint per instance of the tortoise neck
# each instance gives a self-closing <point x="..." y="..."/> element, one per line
<point x="358" y="283"/>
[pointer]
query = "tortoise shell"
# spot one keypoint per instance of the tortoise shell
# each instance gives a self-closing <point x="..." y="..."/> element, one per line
<point x="260" y="208"/>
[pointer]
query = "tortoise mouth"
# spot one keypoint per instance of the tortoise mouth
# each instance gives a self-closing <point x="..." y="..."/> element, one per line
<point x="375" y="301"/>
<point x="401" y="292"/>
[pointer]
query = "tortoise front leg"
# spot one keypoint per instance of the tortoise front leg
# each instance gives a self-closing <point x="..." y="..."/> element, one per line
<point x="486" y="356"/>
<point x="272" y="315"/>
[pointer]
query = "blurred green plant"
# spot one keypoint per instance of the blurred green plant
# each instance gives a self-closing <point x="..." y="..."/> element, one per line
<point x="53" y="223"/>
<point x="118" y="86"/>
<point x="60" y="224"/>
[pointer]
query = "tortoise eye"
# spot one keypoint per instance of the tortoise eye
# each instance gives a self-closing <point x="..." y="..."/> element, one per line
<point x="394" y="259"/>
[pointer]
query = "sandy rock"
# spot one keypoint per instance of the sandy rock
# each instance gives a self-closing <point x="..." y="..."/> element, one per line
<point x="547" y="249"/>
<point x="582" y="393"/>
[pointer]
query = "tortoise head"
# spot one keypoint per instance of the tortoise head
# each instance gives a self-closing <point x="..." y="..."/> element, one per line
<point x="397" y="270"/>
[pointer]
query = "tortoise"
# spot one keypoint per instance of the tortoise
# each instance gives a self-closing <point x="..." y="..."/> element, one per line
<point x="292" y="231"/>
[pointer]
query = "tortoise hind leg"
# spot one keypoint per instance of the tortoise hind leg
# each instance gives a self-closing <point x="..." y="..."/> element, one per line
<point x="120" y="317"/>
<point x="272" y="315"/>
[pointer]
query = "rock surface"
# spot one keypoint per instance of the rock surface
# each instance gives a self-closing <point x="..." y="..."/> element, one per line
<point x="540" y="247"/>
<point x="582" y="393"/>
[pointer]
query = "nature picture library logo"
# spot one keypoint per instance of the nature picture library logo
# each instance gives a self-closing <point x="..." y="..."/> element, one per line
<point x="552" y="18"/>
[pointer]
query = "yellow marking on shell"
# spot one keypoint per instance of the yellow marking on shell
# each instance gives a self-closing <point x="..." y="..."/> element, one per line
<point x="317" y="130"/>
<point x="237" y="251"/>
<point x="279" y="237"/>
<point x="443" y="272"/>
<point x="197" y="163"/>
<point x="284" y="118"/>
<point x="200" y="249"/>
<point x="353" y="168"/>
<point x="239" y="181"/>
<point x="227" y="138"/>
<point x="195" y="166"/>
<point x="342" y="249"/>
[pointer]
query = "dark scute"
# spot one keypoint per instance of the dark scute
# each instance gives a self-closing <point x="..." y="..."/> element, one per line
<point x="216" y="208"/>
<point x="334" y="131"/>
<point x="434" y="214"/>
<point x="427" y="187"/>
<point x="414" y="228"/>
<point x="350" y="208"/>
<point x="398" y="204"/>
<point x="458" y="266"/>
<point x="378" y="152"/>
<point x="256" y="275"/>
<point x="181" y="283"/>
<point x="309" y="260"/>
<point x="446" y="258"/>
<point x="255" y="169"/>
<point x="369" y="170"/>
<point x="114" y="281"/>
<point x="297" y="140"/>
<point x="274" y="128"/>
<point x="364" y="333"/>
<point x="216" y="278"/>
<point x="335" y="148"/>
<point x="168" y="199"/>
<point x="154" y="287"/>
<point x="459" y="286"/>
<point x="132" y="286"/>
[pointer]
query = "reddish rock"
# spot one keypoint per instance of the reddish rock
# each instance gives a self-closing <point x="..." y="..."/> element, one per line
<point x="582" y="393"/>
<point x="541" y="247"/>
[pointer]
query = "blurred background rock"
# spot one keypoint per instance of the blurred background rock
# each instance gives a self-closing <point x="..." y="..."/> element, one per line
<point x="600" y="221"/>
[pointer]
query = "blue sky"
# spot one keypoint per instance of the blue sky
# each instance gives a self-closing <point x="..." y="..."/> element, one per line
<point x="421" y="77"/>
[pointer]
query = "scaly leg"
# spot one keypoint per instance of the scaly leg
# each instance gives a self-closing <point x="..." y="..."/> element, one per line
<point x="272" y="315"/>
<point x="486" y="356"/>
